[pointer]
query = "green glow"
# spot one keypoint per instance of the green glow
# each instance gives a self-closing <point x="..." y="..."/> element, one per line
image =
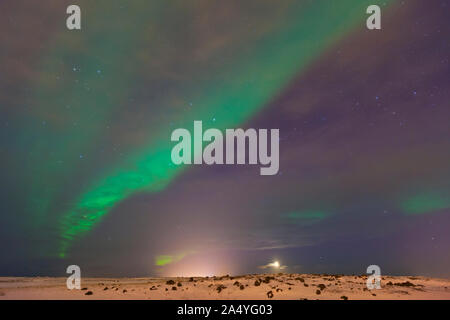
<point x="425" y="203"/>
<point x="163" y="260"/>
<point x="308" y="215"/>
<point x="232" y="96"/>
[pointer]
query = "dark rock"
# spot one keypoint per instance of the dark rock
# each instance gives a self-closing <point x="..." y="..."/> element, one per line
<point x="267" y="279"/>
<point x="405" y="284"/>
<point x="321" y="286"/>
<point x="220" y="287"/>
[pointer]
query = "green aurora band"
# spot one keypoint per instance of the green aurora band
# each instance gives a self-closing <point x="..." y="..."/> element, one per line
<point x="232" y="98"/>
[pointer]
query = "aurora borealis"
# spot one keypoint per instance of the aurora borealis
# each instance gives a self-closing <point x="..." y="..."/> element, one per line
<point x="87" y="116"/>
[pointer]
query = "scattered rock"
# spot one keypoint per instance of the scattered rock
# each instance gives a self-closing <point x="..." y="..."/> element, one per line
<point x="267" y="279"/>
<point x="344" y="297"/>
<point x="321" y="286"/>
<point x="318" y="291"/>
<point x="170" y="282"/>
<point x="300" y="279"/>
<point x="405" y="284"/>
<point x="84" y="288"/>
<point x="257" y="283"/>
<point x="241" y="287"/>
<point x="179" y="284"/>
<point x="106" y="288"/>
<point x="174" y="288"/>
<point x="220" y="287"/>
<point x="270" y="294"/>
<point x="89" y="293"/>
<point x="124" y="291"/>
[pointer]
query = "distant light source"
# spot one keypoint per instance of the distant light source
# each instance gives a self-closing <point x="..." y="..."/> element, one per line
<point x="274" y="264"/>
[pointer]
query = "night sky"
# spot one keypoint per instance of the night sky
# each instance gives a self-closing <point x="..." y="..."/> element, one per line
<point x="86" y="176"/>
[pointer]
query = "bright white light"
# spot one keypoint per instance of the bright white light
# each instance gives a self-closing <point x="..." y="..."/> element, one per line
<point x="274" y="264"/>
